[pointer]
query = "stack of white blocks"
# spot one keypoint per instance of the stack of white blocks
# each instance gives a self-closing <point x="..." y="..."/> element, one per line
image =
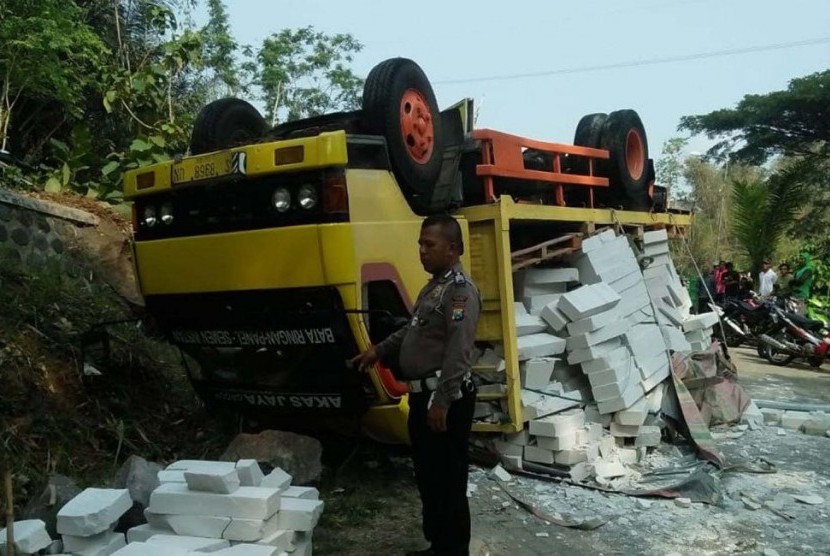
<point x="226" y="508"/>
<point x="603" y="346"/>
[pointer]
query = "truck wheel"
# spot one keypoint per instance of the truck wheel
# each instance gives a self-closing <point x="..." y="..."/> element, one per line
<point x="398" y="103"/>
<point x="225" y="123"/>
<point x="588" y="134"/>
<point x="625" y="139"/>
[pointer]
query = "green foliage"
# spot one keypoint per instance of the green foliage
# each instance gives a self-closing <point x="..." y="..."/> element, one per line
<point x="792" y="122"/>
<point x="670" y="165"/>
<point x="304" y="73"/>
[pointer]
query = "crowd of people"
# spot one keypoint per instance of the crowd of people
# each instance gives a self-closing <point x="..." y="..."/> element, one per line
<point x="723" y="282"/>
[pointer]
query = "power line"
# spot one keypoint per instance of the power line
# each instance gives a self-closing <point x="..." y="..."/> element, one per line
<point x="646" y="62"/>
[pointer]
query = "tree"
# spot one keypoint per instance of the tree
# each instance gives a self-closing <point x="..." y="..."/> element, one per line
<point x="670" y="165"/>
<point x="794" y="122"/>
<point x="219" y="52"/>
<point x="48" y="52"/>
<point x="305" y="73"/>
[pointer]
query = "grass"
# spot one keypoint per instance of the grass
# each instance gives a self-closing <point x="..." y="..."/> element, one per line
<point x="57" y="419"/>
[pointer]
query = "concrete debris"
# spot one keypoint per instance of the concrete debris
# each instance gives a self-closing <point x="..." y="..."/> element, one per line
<point x="683" y="502"/>
<point x="498" y="473"/>
<point x="812" y="499"/>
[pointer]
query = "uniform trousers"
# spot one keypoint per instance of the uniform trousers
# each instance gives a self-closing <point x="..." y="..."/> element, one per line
<point x="441" y="468"/>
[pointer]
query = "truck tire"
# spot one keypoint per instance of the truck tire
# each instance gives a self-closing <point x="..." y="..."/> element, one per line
<point x="625" y="139"/>
<point x="225" y="123"/>
<point x="398" y="103"/>
<point x="588" y="134"/>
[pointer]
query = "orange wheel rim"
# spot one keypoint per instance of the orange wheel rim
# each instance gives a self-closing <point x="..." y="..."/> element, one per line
<point x="635" y="154"/>
<point x="417" y="126"/>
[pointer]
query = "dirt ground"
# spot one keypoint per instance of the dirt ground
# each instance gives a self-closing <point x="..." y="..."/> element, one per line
<point x="373" y="508"/>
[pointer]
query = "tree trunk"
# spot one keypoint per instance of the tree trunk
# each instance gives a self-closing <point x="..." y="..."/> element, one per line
<point x="9" y="514"/>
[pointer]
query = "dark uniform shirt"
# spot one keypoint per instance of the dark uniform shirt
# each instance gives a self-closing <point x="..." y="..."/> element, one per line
<point x="440" y="335"/>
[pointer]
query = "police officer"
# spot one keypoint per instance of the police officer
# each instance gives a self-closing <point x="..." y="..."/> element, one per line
<point x="434" y="353"/>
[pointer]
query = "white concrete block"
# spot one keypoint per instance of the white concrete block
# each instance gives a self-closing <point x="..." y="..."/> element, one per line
<point x="104" y="547"/>
<point x="555" y="318"/>
<point x="538" y="276"/>
<point x="519" y="309"/>
<point x="536" y="373"/>
<point x="584" y="341"/>
<point x="656" y="249"/>
<point x="634" y="300"/>
<point x="249" y="549"/>
<point x="794" y="419"/>
<point x="671" y="313"/>
<point x="556" y="443"/>
<point x="655" y="236"/>
<point x="30" y="536"/>
<point x="250" y="530"/>
<point x="491" y="361"/>
<point x="529" y="324"/>
<point x="697" y="322"/>
<point x="173" y="476"/>
<point x="772" y="416"/>
<point x="297" y="514"/>
<point x="539" y="345"/>
<point x="536" y="303"/>
<point x="141" y="533"/>
<point x="589" y="300"/>
<point x="521" y="438"/>
<point x="277" y="479"/>
<point x="280" y="539"/>
<point x="159" y="521"/>
<point x="674" y="339"/>
<point x="609" y="469"/>
<point x="654" y="380"/>
<point x="572" y="456"/>
<point x="581" y="471"/>
<point x="645" y="340"/>
<point x="307" y="493"/>
<point x="633" y="393"/>
<point x="597" y="241"/>
<point x="624" y="431"/>
<point x="699" y="346"/>
<point x="619" y="375"/>
<point x="594" y="322"/>
<point x="648" y="436"/>
<point x="198" y="525"/>
<point x="652" y="365"/>
<point x="211" y="481"/>
<point x="249" y="472"/>
<point x="508" y="449"/>
<point x="654" y="398"/>
<point x="146" y="549"/>
<point x="634" y="416"/>
<point x="245" y="503"/>
<point x="539" y="455"/>
<point x="511" y="462"/>
<point x="302" y="545"/>
<point x="607" y="446"/>
<point x="91" y="544"/>
<point x="594" y="352"/>
<point x="547" y="405"/>
<point x="627" y="456"/>
<point x="201" y="465"/>
<point x="93" y="511"/>
<point x="699" y="335"/>
<point x="559" y="424"/>
<point x="619" y="356"/>
<point x="194" y="544"/>
<point x="615" y="389"/>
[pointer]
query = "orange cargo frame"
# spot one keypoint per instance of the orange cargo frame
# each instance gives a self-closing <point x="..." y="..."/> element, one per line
<point x="501" y="156"/>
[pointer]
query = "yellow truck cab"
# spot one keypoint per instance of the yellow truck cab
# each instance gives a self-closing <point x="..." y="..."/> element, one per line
<point x="271" y="257"/>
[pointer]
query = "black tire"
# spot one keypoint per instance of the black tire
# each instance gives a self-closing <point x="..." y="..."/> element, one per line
<point x="383" y="99"/>
<point x="815" y="362"/>
<point x="225" y="123"/>
<point x="775" y="357"/>
<point x="625" y="139"/>
<point x="588" y="134"/>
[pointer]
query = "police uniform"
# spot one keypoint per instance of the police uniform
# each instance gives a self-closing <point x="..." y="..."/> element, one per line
<point x="434" y="352"/>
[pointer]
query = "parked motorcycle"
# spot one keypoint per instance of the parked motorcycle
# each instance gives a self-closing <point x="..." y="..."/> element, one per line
<point x="745" y="319"/>
<point x="794" y="336"/>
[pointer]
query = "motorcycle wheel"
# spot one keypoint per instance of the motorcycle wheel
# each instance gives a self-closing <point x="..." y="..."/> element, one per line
<point x="778" y="358"/>
<point x="815" y="362"/>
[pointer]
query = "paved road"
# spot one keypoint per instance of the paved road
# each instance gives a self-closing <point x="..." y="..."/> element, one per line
<point x="795" y="383"/>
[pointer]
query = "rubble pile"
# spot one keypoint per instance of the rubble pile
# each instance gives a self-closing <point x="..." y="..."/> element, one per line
<point x="594" y="343"/>
<point x="226" y="508"/>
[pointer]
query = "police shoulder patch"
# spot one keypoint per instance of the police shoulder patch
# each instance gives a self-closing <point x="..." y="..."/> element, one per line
<point x="457" y="313"/>
<point x="459" y="279"/>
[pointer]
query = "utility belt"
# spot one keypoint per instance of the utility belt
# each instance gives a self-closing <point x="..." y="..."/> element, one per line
<point x="430" y="383"/>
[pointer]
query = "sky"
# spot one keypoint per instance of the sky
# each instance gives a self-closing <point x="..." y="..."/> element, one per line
<point x="592" y="56"/>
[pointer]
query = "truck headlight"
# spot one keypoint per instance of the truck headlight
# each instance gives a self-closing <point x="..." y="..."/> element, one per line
<point x="149" y="216"/>
<point x="167" y="213"/>
<point x="281" y="199"/>
<point x="307" y="196"/>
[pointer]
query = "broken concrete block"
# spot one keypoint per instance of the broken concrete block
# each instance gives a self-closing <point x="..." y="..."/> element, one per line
<point x="683" y="502"/>
<point x="654" y="380"/>
<point x="511" y="462"/>
<point x="141" y="533"/>
<point x="539" y="345"/>
<point x="542" y="405"/>
<point x="594" y="352"/>
<point x="536" y="304"/>
<point x="572" y="456"/>
<point x="307" y="493"/>
<point x="607" y="446"/>
<point x="633" y="393"/>
<point x="277" y="479"/>
<point x="297" y="514"/>
<point x="211" y="481"/>
<point x="555" y="318"/>
<point x="581" y="471"/>
<point x="588" y="300"/>
<point x="93" y="511"/>
<point x="30" y="536"/>
<point x="529" y="324"/>
<point x="627" y="456"/>
<point x="249" y="472"/>
<point x="536" y="373"/>
<point x="498" y="473"/>
<point x="752" y="415"/>
<point x="794" y="419"/>
<point x="651" y="365"/>
<point x="559" y="424"/>
<point x="198" y="525"/>
<point x="565" y="441"/>
<point x="250" y="530"/>
<point x="245" y="503"/>
<point x="634" y="416"/>
<point x="608" y="469"/>
<point x="594" y="322"/>
<point x="490" y="362"/>
<point x="649" y="436"/>
<point x="195" y="544"/>
<point x="701" y="321"/>
<point x="538" y="455"/>
<point x="584" y="341"/>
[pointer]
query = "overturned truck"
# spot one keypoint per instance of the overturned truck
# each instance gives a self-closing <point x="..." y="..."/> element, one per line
<point x="272" y="256"/>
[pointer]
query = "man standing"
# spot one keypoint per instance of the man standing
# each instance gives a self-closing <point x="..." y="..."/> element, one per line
<point x="782" y="285"/>
<point x="766" y="279"/>
<point x="802" y="282"/>
<point x="434" y="352"/>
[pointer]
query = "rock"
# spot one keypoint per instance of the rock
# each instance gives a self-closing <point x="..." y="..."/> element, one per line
<point x="683" y="502"/>
<point x="58" y="491"/>
<point x="812" y="499"/>
<point x="298" y="455"/>
<point x="140" y="477"/>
